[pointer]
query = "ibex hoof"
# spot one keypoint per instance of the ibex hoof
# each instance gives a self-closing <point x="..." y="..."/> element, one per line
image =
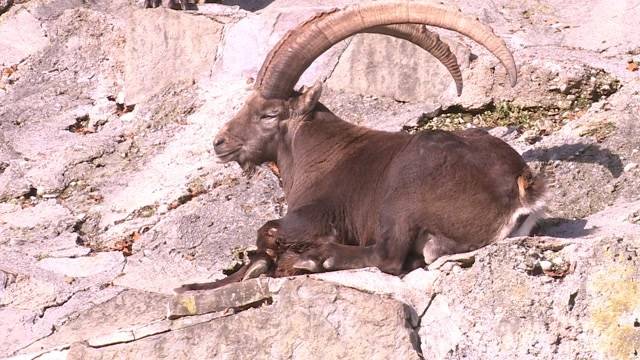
<point x="256" y="269"/>
<point x="329" y="264"/>
<point x="307" y="265"/>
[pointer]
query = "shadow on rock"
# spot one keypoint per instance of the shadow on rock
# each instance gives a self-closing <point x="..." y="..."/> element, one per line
<point x="248" y="5"/>
<point x="580" y="152"/>
<point x="563" y="228"/>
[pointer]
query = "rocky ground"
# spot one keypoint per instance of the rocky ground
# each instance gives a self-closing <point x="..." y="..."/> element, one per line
<point x="110" y="195"/>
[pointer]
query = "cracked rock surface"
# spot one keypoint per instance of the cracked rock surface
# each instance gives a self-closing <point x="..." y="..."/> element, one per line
<point x="110" y="195"/>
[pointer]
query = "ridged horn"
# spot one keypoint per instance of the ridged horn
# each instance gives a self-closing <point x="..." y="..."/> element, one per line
<point x="429" y="41"/>
<point x="302" y="45"/>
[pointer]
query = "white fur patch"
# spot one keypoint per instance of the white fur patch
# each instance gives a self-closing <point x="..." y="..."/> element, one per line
<point x="535" y="212"/>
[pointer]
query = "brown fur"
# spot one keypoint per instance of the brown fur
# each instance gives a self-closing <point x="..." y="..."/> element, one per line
<point x="380" y="193"/>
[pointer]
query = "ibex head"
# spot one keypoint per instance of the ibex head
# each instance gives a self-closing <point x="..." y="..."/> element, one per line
<point x="252" y="136"/>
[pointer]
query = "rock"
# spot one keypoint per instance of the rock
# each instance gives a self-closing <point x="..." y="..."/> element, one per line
<point x="630" y="166"/>
<point x="47" y="213"/>
<point x="20" y="36"/>
<point x="438" y="344"/>
<point x="18" y="329"/>
<point x="529" y="313"/>
<point x="4" y="280"/>
<point x="66" y="246"/>
<point x="415" y="289"/>
<point x="531" y="136"/>
<point x="158" y="54"/>
<point x="84" y="266"/>
<point x="393" y="68"/>
<point x="234" y="296"/>
<point x="127" y="310"/>
<point x="322" y="321"/>
<point x="28" y="293"/>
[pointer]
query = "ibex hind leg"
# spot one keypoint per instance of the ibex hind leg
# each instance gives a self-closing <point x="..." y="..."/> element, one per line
<point x="388" y="256"/>
<point x="438" y="247"/>
<point x="235" y="277"/>
<point x="257" y="266"/>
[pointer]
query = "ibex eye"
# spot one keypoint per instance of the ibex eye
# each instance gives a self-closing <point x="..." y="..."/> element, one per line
<point x="268" y="116"/>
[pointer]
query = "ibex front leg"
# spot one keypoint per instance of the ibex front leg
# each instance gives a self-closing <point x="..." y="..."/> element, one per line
<point x="152" y="3"/>
<point x="389" y="252"/>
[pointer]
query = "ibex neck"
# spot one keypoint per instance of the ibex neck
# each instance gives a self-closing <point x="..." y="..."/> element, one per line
<point x="312" y="149"/>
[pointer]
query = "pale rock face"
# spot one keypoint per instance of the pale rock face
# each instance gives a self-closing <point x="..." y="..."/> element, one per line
<point x="20" y="37"/>
<point x="110" y="195"/>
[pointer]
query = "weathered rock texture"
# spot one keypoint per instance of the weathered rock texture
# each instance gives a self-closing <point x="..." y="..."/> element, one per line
<point x="303" y="319"/>
<point x="110" y="195"/>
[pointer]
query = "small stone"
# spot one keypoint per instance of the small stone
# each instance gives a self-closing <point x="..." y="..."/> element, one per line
<point x="630" y="166"/>
<point x="115" y="338"/>
<point x="120" y="98"/>
<point x="563" y="87"/>
<point x="163" y="209"/>
<point x="546" y="265"/>
<point x="530" y="136"/>
<point x="433" y="113"/>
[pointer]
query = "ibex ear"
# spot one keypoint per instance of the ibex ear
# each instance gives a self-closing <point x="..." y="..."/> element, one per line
<point x="308" y="98"/>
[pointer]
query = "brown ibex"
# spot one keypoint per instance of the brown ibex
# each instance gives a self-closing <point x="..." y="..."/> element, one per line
<point x="359" y="197"/>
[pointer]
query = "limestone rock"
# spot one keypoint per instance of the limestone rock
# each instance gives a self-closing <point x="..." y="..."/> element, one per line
<point x="20" y="36"/>
<point x="587" y="312"/>
<point x="322" y="321"/>
<point x="383" y="66"/>
<point x="83" y="266"/>
<point x="164" y="47"/>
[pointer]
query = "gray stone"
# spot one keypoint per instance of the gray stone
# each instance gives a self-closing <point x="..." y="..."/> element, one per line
<point x="533" y="313"/>
<point x="128" y="310"/>
<point x="439" y="344"/>
<point x="415" y="289"/>
<point x="164" y="47"/>
<point x="20" y="36"/>
<point x="383" y="66"/>
<point x="83" y="266"/>
<point x="346" y="324"/>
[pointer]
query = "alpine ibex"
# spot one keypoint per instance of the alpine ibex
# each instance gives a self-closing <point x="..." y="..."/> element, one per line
<point x="359" y="197"/>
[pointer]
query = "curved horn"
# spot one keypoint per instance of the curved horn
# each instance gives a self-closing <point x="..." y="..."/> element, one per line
<point x="418" y="35"/>
<point x="429" y="41"/>
<point x="303" y="44"/>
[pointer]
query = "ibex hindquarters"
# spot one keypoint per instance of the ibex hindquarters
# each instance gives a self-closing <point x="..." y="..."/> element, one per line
<point x="444" y="193"/>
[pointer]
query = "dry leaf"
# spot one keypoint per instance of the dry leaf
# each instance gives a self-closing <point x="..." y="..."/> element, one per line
<point x="632" y="66"/>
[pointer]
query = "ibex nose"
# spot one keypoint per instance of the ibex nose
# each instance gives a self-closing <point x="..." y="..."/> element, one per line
<point x="218" y="141"/>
